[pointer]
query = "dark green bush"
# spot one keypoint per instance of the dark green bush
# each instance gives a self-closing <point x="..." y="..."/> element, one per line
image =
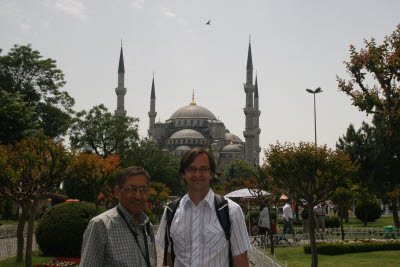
<point x="332" y="221"/>
<point x="254" y="216"/>
<point x="344" y="248"/>
<point x="374" y="211"/>
<point x="60" y="230"/>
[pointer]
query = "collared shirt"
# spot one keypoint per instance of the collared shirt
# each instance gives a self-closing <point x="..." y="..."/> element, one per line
<point x="208" y="239"/>
<point x="287" y="211"/>
<point x="108" y="241"/>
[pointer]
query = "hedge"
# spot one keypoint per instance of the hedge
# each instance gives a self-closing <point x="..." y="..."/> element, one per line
<point x="344" y="248"/>
<point x="60" y="230"/>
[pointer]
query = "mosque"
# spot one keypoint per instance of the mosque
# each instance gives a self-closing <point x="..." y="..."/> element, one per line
<point x="194" y="125"/>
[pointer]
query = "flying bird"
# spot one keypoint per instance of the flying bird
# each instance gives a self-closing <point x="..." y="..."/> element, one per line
<point x="208" y="22"/>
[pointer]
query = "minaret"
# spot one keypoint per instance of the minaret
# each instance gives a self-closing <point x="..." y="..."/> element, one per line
<point x="250" y="113"/>
<point x="257" y="124"/>
<point x="152" y="113"/>
<point x="120" y="90"/>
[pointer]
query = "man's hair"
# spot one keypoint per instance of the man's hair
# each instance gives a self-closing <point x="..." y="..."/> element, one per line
<point x="190" y="155"/>
<point x="132" y="171"/>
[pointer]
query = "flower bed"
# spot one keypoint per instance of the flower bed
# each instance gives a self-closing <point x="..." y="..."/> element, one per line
<point x="354" y="246"/>
<point x="61" y="262"/>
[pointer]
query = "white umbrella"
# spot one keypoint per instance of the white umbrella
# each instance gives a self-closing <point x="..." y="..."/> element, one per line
<point x="247" y="193"/>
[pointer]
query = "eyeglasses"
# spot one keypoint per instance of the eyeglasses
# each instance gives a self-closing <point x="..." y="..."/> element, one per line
<point x="202" y="170"/>
<point x="133" y="189"/>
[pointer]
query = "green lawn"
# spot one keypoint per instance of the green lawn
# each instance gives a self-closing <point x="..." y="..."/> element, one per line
<point x="295" y="257"/>
<point x="36" y="260"/>
<point x="383" y="221"/>
<point x="9" y="222"/>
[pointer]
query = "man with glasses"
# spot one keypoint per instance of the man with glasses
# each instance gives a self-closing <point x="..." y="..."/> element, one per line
<point x="197" y="236"/>
<point x="122" y="236"/>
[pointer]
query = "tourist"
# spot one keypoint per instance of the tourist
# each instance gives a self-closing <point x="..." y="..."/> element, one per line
<point x="122" y="236"/>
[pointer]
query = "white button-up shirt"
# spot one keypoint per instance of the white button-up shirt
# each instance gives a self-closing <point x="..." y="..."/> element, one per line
<point x="209" y="247"/>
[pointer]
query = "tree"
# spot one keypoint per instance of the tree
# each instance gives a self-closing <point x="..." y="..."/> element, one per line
<point x="161" y="165"/>
<point x="37" y="82"/>
<point x="17" y="119"/>
<point x="28" y="170"/>
<point x="158" y="195"/>
<point x="239" y="169"/>
<point x="307" y="172"/>
<point x="380" y="64"/>
<point x="95" y="172"/>
<point x="101" y="132"/>
<point x="343" y="198"/>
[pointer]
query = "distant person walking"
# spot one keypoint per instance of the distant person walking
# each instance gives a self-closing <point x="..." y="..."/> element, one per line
<point x="304" y="217"/>
<point x="319" y="218"/>
<point x="287" y="219"/>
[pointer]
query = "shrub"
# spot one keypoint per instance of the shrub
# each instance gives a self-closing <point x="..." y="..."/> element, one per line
<point x="60" y="230"/>
<point x="332" y="221"/>
<point x="151" y="216"/>
<point x="374" y="211"/>
<point x="344" y="248"/>
<point x="254" y="215"/>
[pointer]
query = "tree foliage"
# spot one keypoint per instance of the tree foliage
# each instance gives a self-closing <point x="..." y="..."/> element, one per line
<point x="161" y="165"/>
<point x="37" y="81"/>
<point x="17" y="120"/>
<point x="28" y="170"/>
<point x="379" y="63"/>
<point x="158" y="195"/>
<point x="239" y="169"/>
<point x="101" y="132"/>
<point x="95" y="172"/>
<point x="343" y="198"/>
<point x="305" y="171"/>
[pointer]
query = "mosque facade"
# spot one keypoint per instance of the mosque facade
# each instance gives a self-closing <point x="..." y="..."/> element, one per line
<point x="193" y="125"/>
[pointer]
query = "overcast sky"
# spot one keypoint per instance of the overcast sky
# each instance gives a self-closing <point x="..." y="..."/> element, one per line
<point x="295" y="44"/>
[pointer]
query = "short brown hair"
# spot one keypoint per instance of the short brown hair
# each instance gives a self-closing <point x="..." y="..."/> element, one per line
<point x="132" y="171"/>
<point x="190" y="155"/>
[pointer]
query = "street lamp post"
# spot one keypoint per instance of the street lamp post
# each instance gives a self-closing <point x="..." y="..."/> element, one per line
<point x="316" y="91"/>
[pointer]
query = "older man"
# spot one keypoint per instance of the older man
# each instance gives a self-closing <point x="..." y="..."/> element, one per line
<point x="122" y="236"/>
<point x="197" y="236"/>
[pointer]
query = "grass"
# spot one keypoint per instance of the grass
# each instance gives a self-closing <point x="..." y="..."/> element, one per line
<point x="15" y="222"/>
<point x="296" y="257"/>
<point x="383" y="221"/>
<point x="36" y="260"/>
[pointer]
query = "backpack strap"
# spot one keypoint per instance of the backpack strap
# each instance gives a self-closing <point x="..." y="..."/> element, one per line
<point x="222" y="210"/>
<point x="171" y="209"/>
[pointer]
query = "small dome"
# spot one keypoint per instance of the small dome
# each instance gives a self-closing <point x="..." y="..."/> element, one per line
<point x="218" y="122"/>
<point x="182" y="148"/>
<point x="232" y="148"/>
<point x="193" y="111"/>
<point x="187" y="133"/>
<point x="235" y="138"/>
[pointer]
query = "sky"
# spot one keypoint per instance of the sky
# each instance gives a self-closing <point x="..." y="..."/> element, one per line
<point x="295" y="45"/>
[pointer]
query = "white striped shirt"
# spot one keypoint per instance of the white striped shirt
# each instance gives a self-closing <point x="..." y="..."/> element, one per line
<point x="212" y="244"/>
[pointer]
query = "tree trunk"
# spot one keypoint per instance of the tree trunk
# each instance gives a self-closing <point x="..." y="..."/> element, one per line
<point x="341" y="228"/>
<point x="313" y="244"/>
<point x="395" y="214"/>
<point x="29" y="239"/>
<point x="270" y="233"/>
<point x="346" y="214"/>
<point x="20" y="236"/>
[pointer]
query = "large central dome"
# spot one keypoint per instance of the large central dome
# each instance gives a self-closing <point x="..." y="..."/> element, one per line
<point x="193" y="111"/>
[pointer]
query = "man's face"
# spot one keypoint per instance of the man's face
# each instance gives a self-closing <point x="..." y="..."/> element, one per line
<point x="133" y="201"/>
<point x="197" y="175"/>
